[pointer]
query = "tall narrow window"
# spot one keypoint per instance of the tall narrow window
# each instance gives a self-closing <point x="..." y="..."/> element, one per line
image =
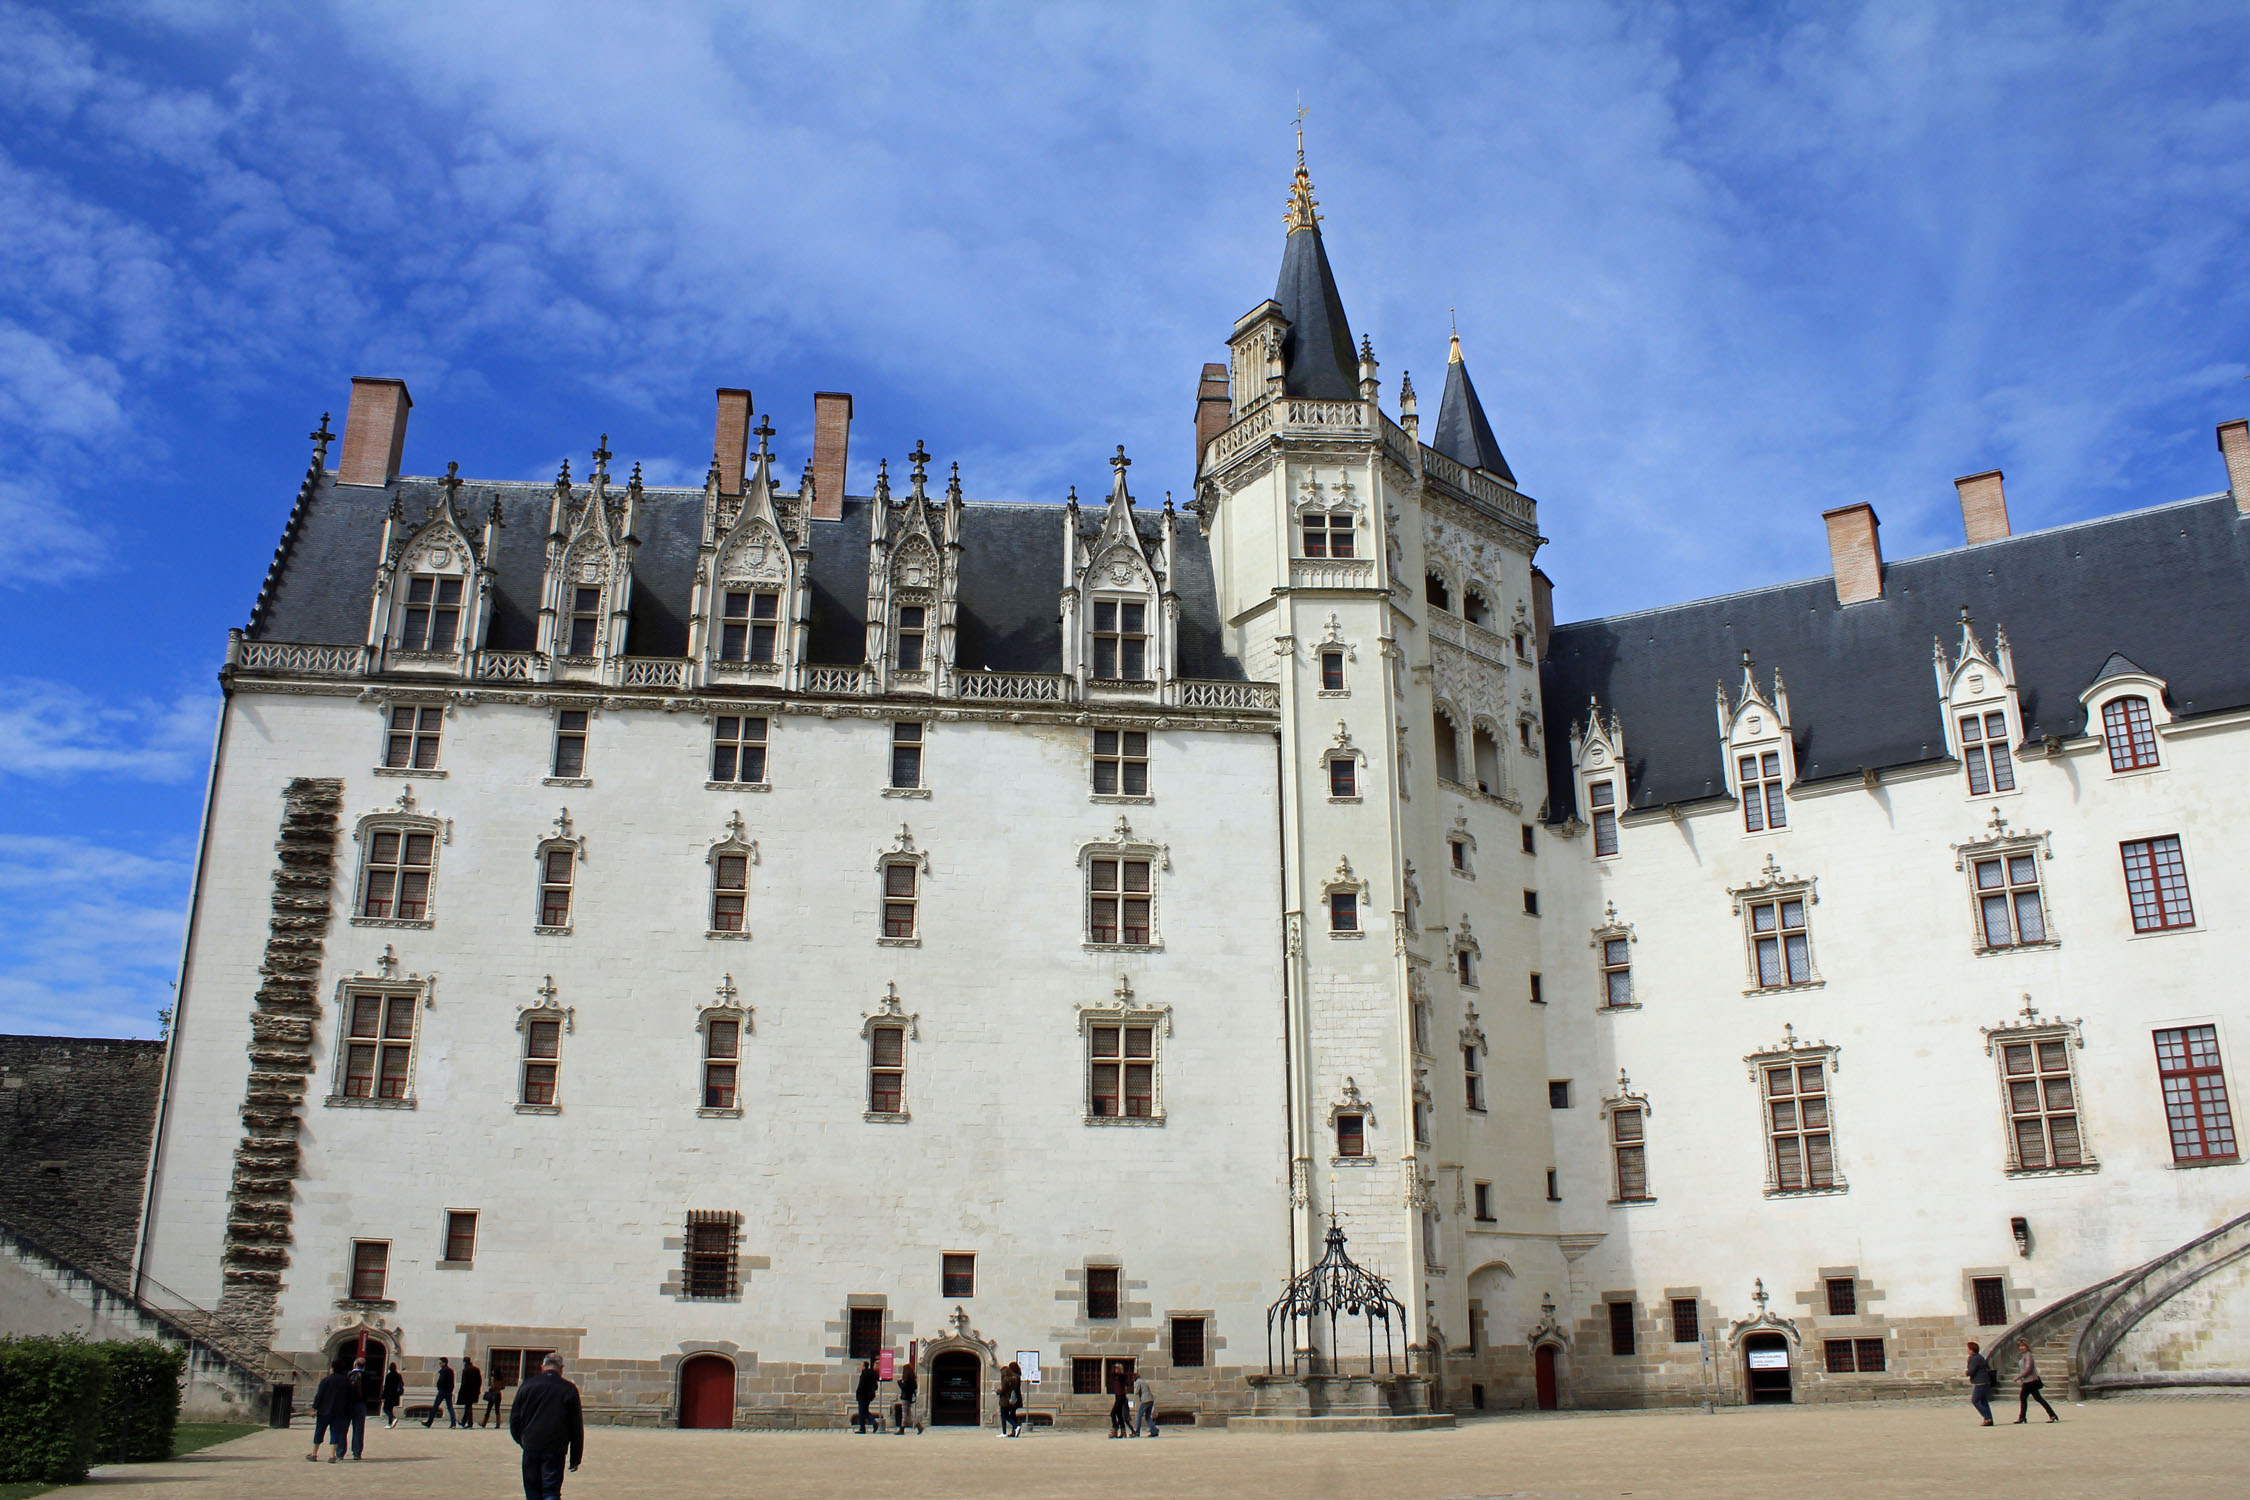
<point x="570" y="743"/>
<point x="738" y="750"/>
<point x="1121" y="1072"/>
<point x="1117" y="907"/>
<point x="1554" y="1186"/>
<point x="2195" y="1094"/>
<point x="371" y="1269"/>
<point x="1984" y="745"/>
<point x="1617" y="972"/>
<point x="1187" y="1343"/>
<point x="749" y="629"/>
<point x="1763" y="806"/>
<point x="1331" y="671"/>
<point x="1351" y="1135"/>
<point x="709" y="1267"/>
<point x="2130" y="733"/>
<point x="1687" y="1322"/>
<point x="1101" y="1291"/>
<point x="1120" y="640"/>
<point x="1797" y="1126"/>
<point x="957" y="1275"/>
<point x="867" y="1333"/>
<point x="1472" y="1076"/>
<point x="379" y="1049"/>
<point x="585" y="621"/>
<point x="1465" y="967"/>
<point x="730" y="890"/>
<point x="901" y="900"/>
<point x="1481" y="1201"/>
<point x="1485" y="751"/>
<point x="1120" y="762"/>
<point x="911" y="637"/>
<point x="1448" y="742"/>
<point x="397" y="882"/>
<point x="433" y="614"/>
<point x="1603" y="795"/>
<point x="1328" y="534"/>
<point x="1621" y="1329"/>
<point x="1538" y="996"/>
<point x="722" y="1063"/>
<point x="2042" y="1104"/>
<point x="1435" y="592"/>
<point x="1843" y="1297"/>
<point x="1421" y="1122"/>
<point x="1991" y="1296"/>
<point x="1626" y="1138"/>
<point x="413" y="743"/>
<point x="906" y="755"/>
<point x="1458" y="851"/>
<point x="555" y="870"/>
<point x="1780" y="942"/>
<point x="542" y="1054"/>
<point x="1343" y="776"/>
<point x="1343" y="911"/>
<point x="2008" y="908"/>
<point x="886" y="1070"/>
<point x="2156" y="884"/>
<point x="460" y="1237"/>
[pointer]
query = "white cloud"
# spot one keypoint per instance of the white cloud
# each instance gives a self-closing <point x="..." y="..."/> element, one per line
<point x="53" y="731"/>
<point x="89" y="936"/>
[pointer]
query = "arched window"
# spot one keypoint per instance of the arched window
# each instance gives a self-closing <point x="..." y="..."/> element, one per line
<point x="2131" y="734"/>
<point x="1474" y="609"/>
<point x="1437" y="593"/>
<point x="1487" y="750"/>
<point x="1448" y="747"/>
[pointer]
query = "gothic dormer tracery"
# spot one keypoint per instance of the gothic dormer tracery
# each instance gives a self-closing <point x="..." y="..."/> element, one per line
<point x="587" y="596"/>
<point x="1120" y="615"/>
<point x="1597" y="758"/>
<point x="433" y="585"/>
<point x="913" y="580"/>
<point x="1977" y="697"/>
<point x="750" y="612"/>
<point x="1759" y="749"/>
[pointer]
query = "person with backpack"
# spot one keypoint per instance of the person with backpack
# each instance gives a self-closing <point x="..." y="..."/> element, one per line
<point x="1011" y="1400"/>
<point x="908" y="1385"/>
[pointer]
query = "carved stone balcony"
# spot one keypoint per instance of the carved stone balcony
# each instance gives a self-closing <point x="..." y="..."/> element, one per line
<point x="1196" y="692"/>
<point x="654" y="671"/>
<point x="836" y="680"/>
<point x="1332" y="573"/>
<point x="1012" y="687"/>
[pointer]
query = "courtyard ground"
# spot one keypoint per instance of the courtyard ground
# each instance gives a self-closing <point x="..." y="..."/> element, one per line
<point x="2113" y="1449"/>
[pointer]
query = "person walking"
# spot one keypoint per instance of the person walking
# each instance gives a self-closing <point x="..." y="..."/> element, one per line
<point x="866" y="1420"/>
<point x="1011" y="1399"/>
<point x="394" y="1391"/>
<point x="492" y="1399"/>
<point x="1981" y="1382"/>
<point x="355" y="1409"/>
<point x="549" y="1424"/>
<point x="1144" y="1408"/>
<point x="1120" y="1390"/>
<point x="908" y="1385"/>
<point x="472" y="1386"/>
<point x="2029" y="1385"/>
<point x="329" y="1399"/>
<point x="444" y="1396"/>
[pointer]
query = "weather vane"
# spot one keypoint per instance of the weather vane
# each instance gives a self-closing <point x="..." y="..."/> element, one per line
<point x="1302" y="111"/>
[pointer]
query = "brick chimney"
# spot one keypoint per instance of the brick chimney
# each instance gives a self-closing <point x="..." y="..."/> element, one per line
<point x="1984" y="509"/>
<point x="831" y="448"/>
<point x="1855" y="552"/>
<point x="2234" y="443"/>
<point x="374" y="431"/>
<point x="1213" y="409"/>
<point x="1542" y="611"/>
<point x="731" y="448"/>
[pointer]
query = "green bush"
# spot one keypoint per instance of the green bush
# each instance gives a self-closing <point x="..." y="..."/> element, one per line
<point x="141" y="1407"/>
<point x="50" y="1408"/>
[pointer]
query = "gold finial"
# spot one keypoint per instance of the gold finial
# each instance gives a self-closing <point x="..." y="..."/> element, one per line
<point x="1302" y="212"/>
<point x="1302" y="111"/>
<point x="1455" y="324"/>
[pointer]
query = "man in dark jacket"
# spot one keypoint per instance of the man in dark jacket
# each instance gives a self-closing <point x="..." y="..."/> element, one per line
<point x="472" y="1384"/>
<point x="332" y="1402"/>
<point x="1981" y="1381"/>
<point x="444" y="1396"/>
<point x="866" y="1420"/>
<point x="547" y="1423"/>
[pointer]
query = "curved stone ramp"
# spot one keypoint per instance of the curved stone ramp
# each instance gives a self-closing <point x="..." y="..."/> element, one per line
<point x="2181" y="1322"/>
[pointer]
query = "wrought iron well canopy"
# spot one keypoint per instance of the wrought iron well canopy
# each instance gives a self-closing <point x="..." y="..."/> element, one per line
<point x="1337" y="1288"/>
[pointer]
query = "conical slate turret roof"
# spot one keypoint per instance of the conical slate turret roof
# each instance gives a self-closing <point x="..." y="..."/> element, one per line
<point x="1463" y="434"/>
<point x="1319" y="360"/>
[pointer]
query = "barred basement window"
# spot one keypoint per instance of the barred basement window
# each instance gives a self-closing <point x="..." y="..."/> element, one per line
<point x="722" y="1061"/>
<point x="1120" y="640"/>
<point x="1870" y="1355"/>
<point x="1617" y="973"/>
<point x="1780" y="943"/>
<point x="751" y="626"/>
<point x="886" y="1070"/>
<point x="2156" y="884"/>
<point x="1621" y="1329"/>
<point x="556" y="866"/>
<point x="433" y="614"/>
<point x="1843" y="1297"/>
<point x="1687" y="1322"/>
<point x="867" y="1333"/>
<point x="957" y="1275"/>
<point x="1328" y="534"/>
<point x="379" y="1047"/>
<point x="2130" y="732"/>
<point x="901" y="900"/>
<point x="906" y="756"/>
<point x="1085" y="1377"/>
<point x="371" y="1269"/>
<point x="2195" y="1094"/>
<point x="1120" y="763"/>
<point x="911" y="639"/>
<point x="1627" y="1129"/>
<point x="1603" y="796"/>
<point x="1118" y="901"/>
<point x="396" y="881"/>
<point x="1984" y="746"/>
<point x="1187" y="1343"/>
<point x="709" y="1268"/>
<point x="460" y="1237"/>
<point x="2009" y="912"/>
<point x="1101" y="1292"/>
<point x="738" y="751"/>
<point x="542" y="1053"/>
<point x="2042" y="1104"/>
<point x="585" y="621"/>
<point x="570" y="744"/>
<point x="1759" y="778"/>
<point x="1846" y="1356"/>
<point x="1121" y="1072"/>
<point x="1991" y="1297"/>
<point x="730" y="888"/>
<point x="1343" y="911"/>
<point x="414" y="734"/>
<point x="1351" y="1135"/>
<point x="1797" y="1126"/>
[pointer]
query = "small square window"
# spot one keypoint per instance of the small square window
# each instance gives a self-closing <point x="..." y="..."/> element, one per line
<point x="958" y="1275"/>
<point x="1331" y="671"/>
<point x="1838" y="1354"/>
<point x="1870" y="1353"/>
<point x="1085" y="1377"/>
<point x="1101" y="1292"/>
<point x="738" y="750"/>
<point x="415" y="732"/>
<point x="1120" y="762"/>
<point x="1843" y="1297"/>
<point x="460" y="1237"/>
<point x="867" y="1333"/>
<point x="371" y="1269"/>
<point x="1687" y="1322"/>
<point x="1991" y="1296"/>
<point x="1558" y="1093"/>
<point x="1343" y="911"/>
<point x="1187" y="1344"/>
<point x="1531" y="903"/>
<point x="1351" y="1135"/>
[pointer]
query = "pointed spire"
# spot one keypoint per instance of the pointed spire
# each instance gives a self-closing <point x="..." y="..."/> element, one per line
<point x="920" y="458"/>
<point x="1462" y="433"/>
<point x="953" y="486"/>
<point x="320" y="441"/>
<point x="602" y="456"/>
<point x="1319" y="355"/>
<point x="883" y="481"/>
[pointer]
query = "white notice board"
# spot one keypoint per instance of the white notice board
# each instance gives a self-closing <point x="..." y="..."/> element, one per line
<point x="1769" y="1359"/>
<point x="1029" y="1360"/>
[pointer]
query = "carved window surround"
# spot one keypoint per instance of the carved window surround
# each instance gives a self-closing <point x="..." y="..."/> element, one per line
<point x="1774" y="886"/>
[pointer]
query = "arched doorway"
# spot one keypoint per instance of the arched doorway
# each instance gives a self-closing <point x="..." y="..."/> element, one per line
<point x="707" y="1391"/>
<point x="1544" y="1379"/>
<point x="346" y="1349"/>
<point x="956" y="1378"/>
<point x="1765" y="1368"/>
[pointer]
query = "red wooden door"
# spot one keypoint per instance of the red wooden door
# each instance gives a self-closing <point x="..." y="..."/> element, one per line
<point x="1543" y="1370"/>
<point x="707" y="1392"/>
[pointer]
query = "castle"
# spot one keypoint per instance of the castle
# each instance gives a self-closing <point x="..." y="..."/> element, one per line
<point x="724" y="934"/>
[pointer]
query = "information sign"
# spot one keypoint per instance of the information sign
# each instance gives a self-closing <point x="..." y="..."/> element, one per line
<point x="1028" y="1359"/>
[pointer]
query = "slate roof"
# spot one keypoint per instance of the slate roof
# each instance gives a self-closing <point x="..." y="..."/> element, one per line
<point x="1463" y="434"/>
<point x="2168" y="587"/>
<point x="1319" y="361"/>
<point x="1011" y="575"/>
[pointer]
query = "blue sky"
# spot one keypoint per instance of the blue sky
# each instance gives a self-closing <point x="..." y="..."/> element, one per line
<point x="1717" y="268"/>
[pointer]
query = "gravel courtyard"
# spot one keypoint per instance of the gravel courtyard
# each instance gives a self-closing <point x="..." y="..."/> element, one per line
<point x="2133" y="1448"/>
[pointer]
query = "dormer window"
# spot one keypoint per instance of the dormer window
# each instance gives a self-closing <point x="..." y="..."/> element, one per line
<point x="585" y="621"/>
<point x="911" y="637"/>
<point x="751" y="627"/>
<point x="1984" y="746"/>
<point x="1120" y="640"/>
<point x="1329" y="534"/>
<point x="1603" y="796"/>
<point x="1763" y="806"/>
<point x="2131" y="733"/>
<point x="433" y="614"/>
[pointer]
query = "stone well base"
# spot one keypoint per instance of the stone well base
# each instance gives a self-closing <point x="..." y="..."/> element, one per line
<point x="1417" y="1422"/>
